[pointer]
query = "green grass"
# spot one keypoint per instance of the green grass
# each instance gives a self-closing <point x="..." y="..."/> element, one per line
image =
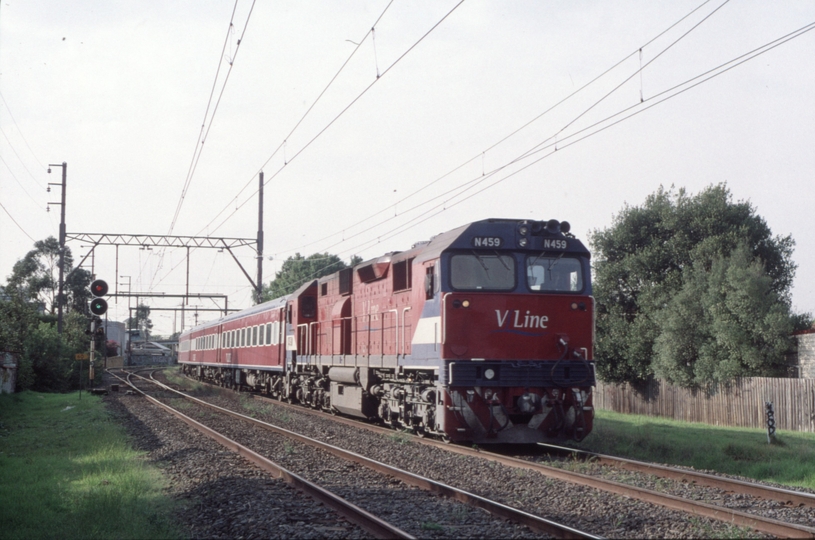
<point x="68" y="471"/>
<point x="740" y="451"/>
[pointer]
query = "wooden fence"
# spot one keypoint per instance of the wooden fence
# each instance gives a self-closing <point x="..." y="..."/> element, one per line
<point x="738" y="403"/>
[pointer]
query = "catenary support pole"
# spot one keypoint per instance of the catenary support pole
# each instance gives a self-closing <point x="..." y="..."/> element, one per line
<point x="259" y="282"/>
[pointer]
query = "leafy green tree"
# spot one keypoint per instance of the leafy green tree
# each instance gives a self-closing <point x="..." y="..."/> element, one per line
<point x="297" y="270"/>
<point x="691" y="288"/>
<point x="47" y="363"/>
<point x="35" y="278"/>
<point x="742" y="326"/>
<point x="16" y="318"/>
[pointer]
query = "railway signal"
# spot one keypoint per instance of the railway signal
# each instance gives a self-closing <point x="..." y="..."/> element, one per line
<point x="99" y="305"/>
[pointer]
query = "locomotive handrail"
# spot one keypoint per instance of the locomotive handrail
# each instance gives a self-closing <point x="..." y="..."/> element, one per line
<point x="444" y="318"/>
<point x="404" y="340"/>
<point x="395" y="311"/>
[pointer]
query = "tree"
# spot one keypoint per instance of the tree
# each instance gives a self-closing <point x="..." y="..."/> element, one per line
<point x="141" y="321"/>
<point x="47" y="362"/>
<point x="297" y="270"/>
<point x="35" y="278"/>
<point x="693" y="289"/>
<point x="16" y="318"/>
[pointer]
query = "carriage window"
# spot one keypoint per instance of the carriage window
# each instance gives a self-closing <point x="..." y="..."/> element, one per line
<point x="553" y="274"/>
<point x="254" y="335"/>
<point x="268" y="333"/>
<point x="482" y="271"/>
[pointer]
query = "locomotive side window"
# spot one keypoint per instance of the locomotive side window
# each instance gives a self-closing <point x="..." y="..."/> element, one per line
<point x="402" y="275"/>
<point x="553" y="274"/>
<point x="482" y="271"/>
<point x="346" y="280"/>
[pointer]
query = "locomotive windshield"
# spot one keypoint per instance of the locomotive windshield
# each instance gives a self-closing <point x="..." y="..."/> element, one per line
<point x="482" y="271"/>
<point x="553" y="274"/>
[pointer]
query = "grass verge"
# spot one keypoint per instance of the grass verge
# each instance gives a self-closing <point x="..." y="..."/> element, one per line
<point x="68" y="471"/>
<point x="738" y="451"/>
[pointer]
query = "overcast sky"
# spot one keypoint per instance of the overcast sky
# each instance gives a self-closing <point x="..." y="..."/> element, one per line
<point x="120" y="91"/>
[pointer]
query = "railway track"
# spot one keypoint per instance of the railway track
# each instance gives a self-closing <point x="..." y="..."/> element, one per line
<point x="375" y="526"/>
<point x="752" y="520"/>
<point x="785" y="496"/>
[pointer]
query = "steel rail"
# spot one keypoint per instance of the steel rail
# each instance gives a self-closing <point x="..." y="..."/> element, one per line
<point x="736" y="517"/>
<point x="786" y="496"/>
<point x="370" y="523"/>
<point x="532" y="521"/>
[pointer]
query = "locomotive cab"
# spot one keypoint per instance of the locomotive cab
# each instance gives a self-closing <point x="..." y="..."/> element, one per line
<point x="518" y="328"/>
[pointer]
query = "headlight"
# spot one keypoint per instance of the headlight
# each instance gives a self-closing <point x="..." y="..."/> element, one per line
<point x="522" y="242"/>
<point x="489" y="374"/>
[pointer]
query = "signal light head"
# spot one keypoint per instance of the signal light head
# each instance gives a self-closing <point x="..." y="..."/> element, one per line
<point x="99" y="306"/>
<point x="99" y="288"/>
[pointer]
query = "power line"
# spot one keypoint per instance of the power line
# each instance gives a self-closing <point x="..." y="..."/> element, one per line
<point x="342" y="112"/>
<point x="205" y="127"/>
<point x="325" y="128"/>
<point x="23" y="138"/>
<point x="15" y="222"/>
<point x="303" y="117"/>
<point x="598" y="127"/>
<point x="199" y="142"/>
<point x="525" y="125"/>
<point x="516" y="131"/>
<point x="19" y="183"/>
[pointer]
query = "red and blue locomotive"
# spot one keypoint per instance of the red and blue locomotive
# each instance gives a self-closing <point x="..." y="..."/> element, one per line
<point x="483" y="334"/>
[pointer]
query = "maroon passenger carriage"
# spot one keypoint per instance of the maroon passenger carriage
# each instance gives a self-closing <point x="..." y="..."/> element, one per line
<point x="483" y="334"/>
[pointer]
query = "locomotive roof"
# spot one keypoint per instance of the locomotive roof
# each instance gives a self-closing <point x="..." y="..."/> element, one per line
<point x="505" y="232"/>
<point x="462" y="238"/>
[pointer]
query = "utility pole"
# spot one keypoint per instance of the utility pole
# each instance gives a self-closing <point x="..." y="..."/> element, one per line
<point x="260" y="241"/>
<point x="64" y="166"/>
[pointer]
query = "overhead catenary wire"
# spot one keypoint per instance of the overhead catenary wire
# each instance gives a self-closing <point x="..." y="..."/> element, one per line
<point x="15" y="222"/>
<point x="19" y="183"/>
<point x="206" y="125"/>
<point x="282" y="145"/>
<point x="43" y="167"/>
<point x="531" y="150"/>
<point x="340" y="114"/>
<point x="516" y="131"/>
<point x="597" y="127"/>
<point x="237" y="208"/>
<point x="506" y="137"/>
<point x="629" y="112"/>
